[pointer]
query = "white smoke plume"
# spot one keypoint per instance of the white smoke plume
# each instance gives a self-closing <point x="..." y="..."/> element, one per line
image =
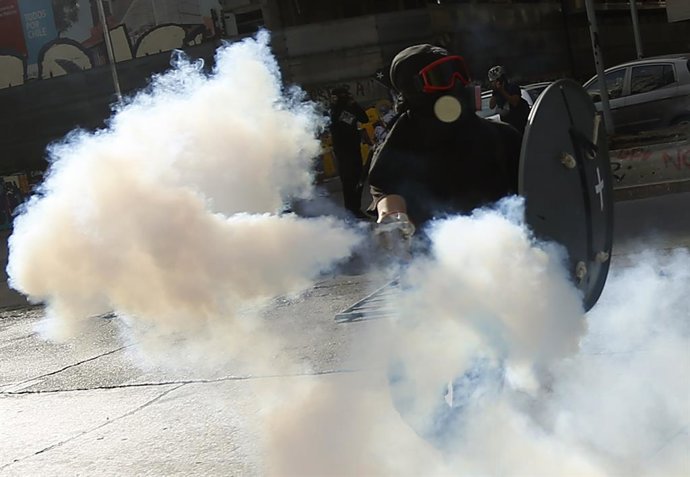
<point x="168" y="216"/>
<point x="491" y="323"/>
<point x="626" y="395"/>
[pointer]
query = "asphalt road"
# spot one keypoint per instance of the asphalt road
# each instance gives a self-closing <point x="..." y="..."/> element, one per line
<point x="95" y="406"/>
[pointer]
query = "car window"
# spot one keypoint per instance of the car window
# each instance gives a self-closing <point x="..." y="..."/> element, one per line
<point x="535" y="92"/>
<point x="651" y="77"/>
<point x="614" y="85"/>
<point x="485" y="111"/>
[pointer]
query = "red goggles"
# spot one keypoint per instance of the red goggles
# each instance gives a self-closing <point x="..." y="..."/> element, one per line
<point x="442" y="74"/>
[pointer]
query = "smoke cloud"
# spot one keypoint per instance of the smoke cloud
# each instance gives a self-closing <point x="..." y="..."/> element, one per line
<point x="490" y="324"/>
<point x="169" y="215"/>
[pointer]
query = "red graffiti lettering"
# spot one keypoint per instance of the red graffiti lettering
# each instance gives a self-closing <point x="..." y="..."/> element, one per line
<point x="678" y="159"/>
<point x="637" y="154"/>
<point x="670" y="160"/>
<point x="622" y="153"/>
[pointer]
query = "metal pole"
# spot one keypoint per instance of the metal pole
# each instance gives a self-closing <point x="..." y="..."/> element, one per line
<point x="599" y="64"/>
<point x="636" y="28"/>
<point x="109" y="48"/>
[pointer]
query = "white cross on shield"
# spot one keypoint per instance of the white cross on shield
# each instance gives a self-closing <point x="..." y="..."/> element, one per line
<point x="599" y="189"/>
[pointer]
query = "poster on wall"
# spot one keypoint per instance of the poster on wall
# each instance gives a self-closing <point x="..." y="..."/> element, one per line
<point x="38" y="25"/>
<point x="11" y="35"/>
<point x="70" y="35"/>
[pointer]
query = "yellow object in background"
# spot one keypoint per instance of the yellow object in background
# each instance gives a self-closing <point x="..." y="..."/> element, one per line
<point x="368" y="130"/>
<point x="327" y="167"/>
<point x="328" y="162"/>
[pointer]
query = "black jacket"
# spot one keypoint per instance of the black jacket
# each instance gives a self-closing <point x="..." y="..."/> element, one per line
<point x="449" y="168"/>
<point x="516" y="116"/>
<point x="345" y="115"/>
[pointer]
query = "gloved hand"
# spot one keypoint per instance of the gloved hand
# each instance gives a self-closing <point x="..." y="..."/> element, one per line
<point x="394" y="234"/>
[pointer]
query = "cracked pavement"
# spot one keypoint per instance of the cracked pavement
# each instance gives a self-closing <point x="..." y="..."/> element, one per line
<point x="90" y="406"/>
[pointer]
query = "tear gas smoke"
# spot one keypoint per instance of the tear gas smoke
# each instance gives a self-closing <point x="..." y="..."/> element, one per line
<point x="168" y="215"/>
<point x="491" y="324"/>
<point x="168" y="218"/>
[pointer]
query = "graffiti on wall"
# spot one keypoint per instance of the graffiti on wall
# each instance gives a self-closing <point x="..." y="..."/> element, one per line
<point x="665" y="162"/>
<point x="31" y="47"/>
<point x="678" y="159"/>
<point x="12" y="69"/>
<point x="362" y="90"/>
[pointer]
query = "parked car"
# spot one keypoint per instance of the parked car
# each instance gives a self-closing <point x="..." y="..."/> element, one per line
<point x="646" y="94"/>
<point x="534" y="90"/>
<point x="530" y="93"/>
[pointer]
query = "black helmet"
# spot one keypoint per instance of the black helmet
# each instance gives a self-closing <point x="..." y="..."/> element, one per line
<point x="427" y="77"/>
<point x="408" y="63"/>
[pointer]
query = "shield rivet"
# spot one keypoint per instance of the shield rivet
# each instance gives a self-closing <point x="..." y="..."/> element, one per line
<point x="568" y="160"/>
<point x="580" y="271"/>
<point x="602" y="256"/>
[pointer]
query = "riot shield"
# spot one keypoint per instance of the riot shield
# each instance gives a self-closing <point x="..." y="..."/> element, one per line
<point x="565" y="177"/>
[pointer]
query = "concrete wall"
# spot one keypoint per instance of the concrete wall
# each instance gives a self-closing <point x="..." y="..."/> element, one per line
<point x="529" y="39"/>
<point x="534" y="40"/>
<point x="651" y="169"/>
<point x="39" y="112"/>
<point x="658" y="37"/>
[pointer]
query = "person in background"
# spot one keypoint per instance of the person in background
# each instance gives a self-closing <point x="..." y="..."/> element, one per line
<point x="439" y="157"/>
<point x="388" y="115"/>
<point x="507" y="99"/>
<point x="346" y="139"/>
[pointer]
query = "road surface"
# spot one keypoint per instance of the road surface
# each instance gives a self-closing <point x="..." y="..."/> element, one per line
<point x="93" y="407"/>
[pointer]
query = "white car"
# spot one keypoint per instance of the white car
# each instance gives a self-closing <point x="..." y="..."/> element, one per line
<point x="646" y="94"/>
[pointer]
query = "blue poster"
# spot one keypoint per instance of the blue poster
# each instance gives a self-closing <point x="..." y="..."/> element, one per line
<point x="38" y="24"/>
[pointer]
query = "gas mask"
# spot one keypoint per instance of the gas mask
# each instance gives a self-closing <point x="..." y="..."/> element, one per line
<point x="443" y="90"/>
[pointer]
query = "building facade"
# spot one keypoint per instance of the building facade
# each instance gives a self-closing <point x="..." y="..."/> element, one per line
<point x="54" y="73"/>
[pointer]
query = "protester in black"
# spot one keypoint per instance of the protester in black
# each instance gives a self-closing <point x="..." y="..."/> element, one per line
<point x="507" y="97"/>
<point x="346" y="139"/>
<point x="439" y="157"/>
